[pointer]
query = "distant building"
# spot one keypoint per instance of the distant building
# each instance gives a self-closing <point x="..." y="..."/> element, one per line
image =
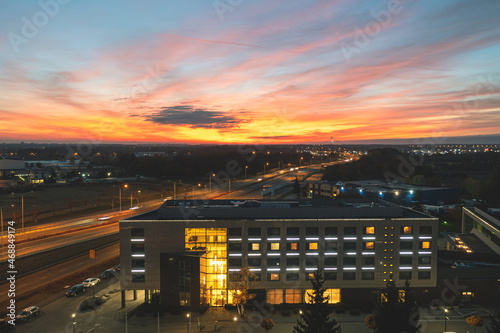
<point x="7" y="163"/>
<point x="13" y="167"/>
<point x="189" y="252"/>
<point x="402" y="194"/>
<point x="480" y="231"/>
<point x="39" y="176"/>
<point x="322" y="189"/>
<point x="150" y="154"/>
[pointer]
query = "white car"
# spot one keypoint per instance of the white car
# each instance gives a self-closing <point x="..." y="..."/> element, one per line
<point x="90" y="282"/>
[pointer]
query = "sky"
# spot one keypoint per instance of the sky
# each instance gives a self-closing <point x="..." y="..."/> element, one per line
<point x="241" y="71"/>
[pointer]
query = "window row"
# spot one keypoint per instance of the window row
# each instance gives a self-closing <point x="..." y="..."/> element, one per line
<point x="309" y="262"/>
<point x="295" y="296"/>
<point x="296" y="246"/>
<point x="328" y="231"/>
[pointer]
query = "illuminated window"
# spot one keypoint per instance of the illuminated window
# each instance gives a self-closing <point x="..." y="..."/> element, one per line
<point x="310" y="276"/>
<point x="255" y="246"/>
<point x="293" y="246"/>
<point x="275" y="246"/>
<point x="275" y="277"/>
<point x="313" y="246"/>
<point x="369" y="230"/>
<point x="369" y="245"/>
<point x="332" y="294"/>
<point x="274" y="296"/>
<point x="426" y="245"/>
<point x="407" y="230"/>
<point x="293" y="296"/>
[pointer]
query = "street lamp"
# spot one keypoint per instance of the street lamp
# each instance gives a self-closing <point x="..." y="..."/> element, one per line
<point x="445" y="318"/>
<point x="210" y="181"/>
<point x="74" y="322"/>
<point x="246" y="167"/>
<point x="1" y="220"/>
<point x="265" y="170"/>
<point x="189" y="322"/>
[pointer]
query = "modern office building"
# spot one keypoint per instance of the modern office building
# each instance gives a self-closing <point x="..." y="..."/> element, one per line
<point x="189" y="252"/>
<point x="480" y="231"/>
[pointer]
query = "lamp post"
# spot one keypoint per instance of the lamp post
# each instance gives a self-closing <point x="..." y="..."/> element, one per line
<point x="265" y="170"/>
<point x="74" y="322"/>
<point x="211" y="174"/>
<point x="188" y="322"/>
<point x="1" y="220"/>
<point x="445" y="318"/>
<point x="120" y="198"/>
<point x="246" y="167"/>
<point x="22" y="212"/>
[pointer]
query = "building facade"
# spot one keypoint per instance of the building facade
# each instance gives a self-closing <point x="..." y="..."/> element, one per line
<point x="189" y="253"/>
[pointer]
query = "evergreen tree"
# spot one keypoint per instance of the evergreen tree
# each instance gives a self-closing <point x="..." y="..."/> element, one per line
<point x="296" y="186"/>
<point x="315" y="318"/>
<point x="494" y="325"/>
<point x="395" y="314"/>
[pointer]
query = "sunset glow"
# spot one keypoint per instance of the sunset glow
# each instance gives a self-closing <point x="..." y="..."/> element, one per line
<point x="248" y="71"/>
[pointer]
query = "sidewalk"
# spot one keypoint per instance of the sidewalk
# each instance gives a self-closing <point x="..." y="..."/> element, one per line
<point x="109" y="317"/>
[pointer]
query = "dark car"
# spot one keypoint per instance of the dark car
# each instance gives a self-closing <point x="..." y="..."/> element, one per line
<point x="76" y="289"/>
<point x="28" y="313"/>
<point x="109" y="273"/>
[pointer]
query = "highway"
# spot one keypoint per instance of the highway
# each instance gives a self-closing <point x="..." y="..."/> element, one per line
<point x="57" y="234"/>
<point x="33" y="281"/>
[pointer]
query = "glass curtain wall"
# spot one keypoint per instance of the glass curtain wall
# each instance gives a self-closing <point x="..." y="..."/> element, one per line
<point x="213" y="264"/>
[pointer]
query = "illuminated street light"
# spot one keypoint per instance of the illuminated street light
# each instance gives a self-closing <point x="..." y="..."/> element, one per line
<point x="445" y="318"/>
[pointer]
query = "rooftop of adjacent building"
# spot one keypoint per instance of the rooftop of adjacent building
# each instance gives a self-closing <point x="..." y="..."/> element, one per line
<point x="279" y="209"/>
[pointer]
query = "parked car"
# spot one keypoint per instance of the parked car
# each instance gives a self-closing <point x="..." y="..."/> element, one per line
<point x="90" y="281"/>
<point x="76" y="289"/>
<point x="109" y="273"/>
<point x="28" y="313"/>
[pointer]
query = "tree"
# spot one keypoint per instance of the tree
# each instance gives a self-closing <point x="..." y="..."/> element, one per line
<point x="397" y="312"/>
<point x="267" y="324"/>
<point x="315" y="318"/>
<point x="240" y="289"/>
<point x="475" y="321"/>
<point x="494" y="325"/>
<point x="296" y="186"/>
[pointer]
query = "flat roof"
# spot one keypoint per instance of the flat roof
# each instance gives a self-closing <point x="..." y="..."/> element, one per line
<point x="278" y="209"/>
